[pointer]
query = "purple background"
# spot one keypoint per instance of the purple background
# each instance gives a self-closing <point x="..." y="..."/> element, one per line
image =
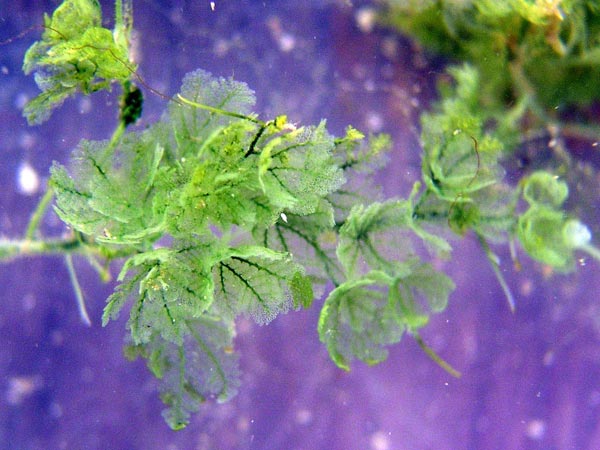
<point x="531" y="380"/>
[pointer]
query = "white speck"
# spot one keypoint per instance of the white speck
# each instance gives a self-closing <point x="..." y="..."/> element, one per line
<point x="212" y="6"/>
<point x="21" y="100"/>
<point x="20" y="388"/>
<point x="303" y="416"/>
<point x="284" y="217"/>
<point x="85" y="105"/>
<point x="369" y="85"/>
<point x="380" y="441"/>
<point x="28" y="181"/>
<point x="365" y="19"/>
<point x="536" y="429"/>
<point x="29" y="302"/>
<point x="221" y="47"/>
<point x="374" y="121"/>
<point x="27" y="141"/>
<point x="286" y="42"/>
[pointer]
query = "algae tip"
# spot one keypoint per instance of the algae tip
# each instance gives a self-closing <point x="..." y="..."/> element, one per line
<point x="495" y="263"/>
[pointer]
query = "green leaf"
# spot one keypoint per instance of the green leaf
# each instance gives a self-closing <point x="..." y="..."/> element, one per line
<point x="544" y="189"/>
<point x="75" y="54"/>
<point x="203" y="366"/>
<point x="540" y="231"/>
<point x="366" y="242"/>
<point x="168" y="286"/>
<point x="364" y="315"/>
<point x="113" y="196"/>
<point x="193" y="129"/>
<point x="238" y="170"/>
<point x="310" y="238"/>
<point x="456" y="164"/>
<point x="220" y="186"/>
<point x="297" y="169"/>
<point x="302" y="291"/>
<point x="358" y="321"/>
<point x="546" y="232"/>
<point x="377" y="237"/>
<point x="254" y="281"/>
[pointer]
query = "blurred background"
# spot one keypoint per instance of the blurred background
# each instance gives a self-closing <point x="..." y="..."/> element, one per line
<point x="531" y="380"/>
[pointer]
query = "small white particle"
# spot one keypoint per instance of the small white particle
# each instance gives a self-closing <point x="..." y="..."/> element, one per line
<point x="21" y="100"/>
<point x="536" y="429"/>
<point x="303" y="416"/>
<point x="365" y="19"/>
<point x="380" y="441"/>
<point x="284" y="217"/>
<point x="374" y="121"/>
<point x="212" y="6"/>
<point x="287" y="42"/>
<point x="19" y="388"/>
<point x="85" y="105"/>
<point x="28" y="181"/>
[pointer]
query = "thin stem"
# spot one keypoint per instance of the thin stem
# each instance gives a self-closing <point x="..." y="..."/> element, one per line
<point x="493" y="259"/>
<point x="438" y="360"/>
<point x="220" y="111"/>
<point x="78" y="293"/>
<point x="38" y="214"/>
<point x="23" y="248"/>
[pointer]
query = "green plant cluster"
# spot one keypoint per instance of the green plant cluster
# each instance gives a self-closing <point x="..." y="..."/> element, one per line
<point x="543" y="54"/>
<point x="218" y="214"/>
<point x="76" y="54"/>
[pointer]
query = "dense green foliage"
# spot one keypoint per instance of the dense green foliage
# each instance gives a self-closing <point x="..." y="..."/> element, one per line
<point x="75" y="54"/>
<point x="542" y="53"/>
<point x="218" y="214"/>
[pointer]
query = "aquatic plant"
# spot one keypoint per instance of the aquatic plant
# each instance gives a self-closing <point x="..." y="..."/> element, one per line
<point x="218" y="214"/>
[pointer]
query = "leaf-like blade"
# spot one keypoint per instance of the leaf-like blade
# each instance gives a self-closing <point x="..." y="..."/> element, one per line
<point x="112" y="196"/>
<point x="297" y="169"/>
<point x="255" y="281"/>
<point x="310" y="238"/>
<point x="193" y="127"/>
<point x="364" y="315"/>
<point x="169" y="286"/>
<point x="358" y="321"/>
<point x="201" y="367"/>
<point x="74" y="54"/>
<point x="371" y="237"/>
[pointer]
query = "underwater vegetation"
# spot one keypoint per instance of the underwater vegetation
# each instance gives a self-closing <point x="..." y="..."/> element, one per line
<point x="216" y="213"/>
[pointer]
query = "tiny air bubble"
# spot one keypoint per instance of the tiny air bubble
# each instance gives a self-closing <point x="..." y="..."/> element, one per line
<point x="28" y="180"/>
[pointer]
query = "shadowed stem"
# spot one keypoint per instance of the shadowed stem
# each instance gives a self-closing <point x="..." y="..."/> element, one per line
<point x="438" y="360"/>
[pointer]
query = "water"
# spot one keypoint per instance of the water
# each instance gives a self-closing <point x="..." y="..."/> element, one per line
<point x="530" y="379"/>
